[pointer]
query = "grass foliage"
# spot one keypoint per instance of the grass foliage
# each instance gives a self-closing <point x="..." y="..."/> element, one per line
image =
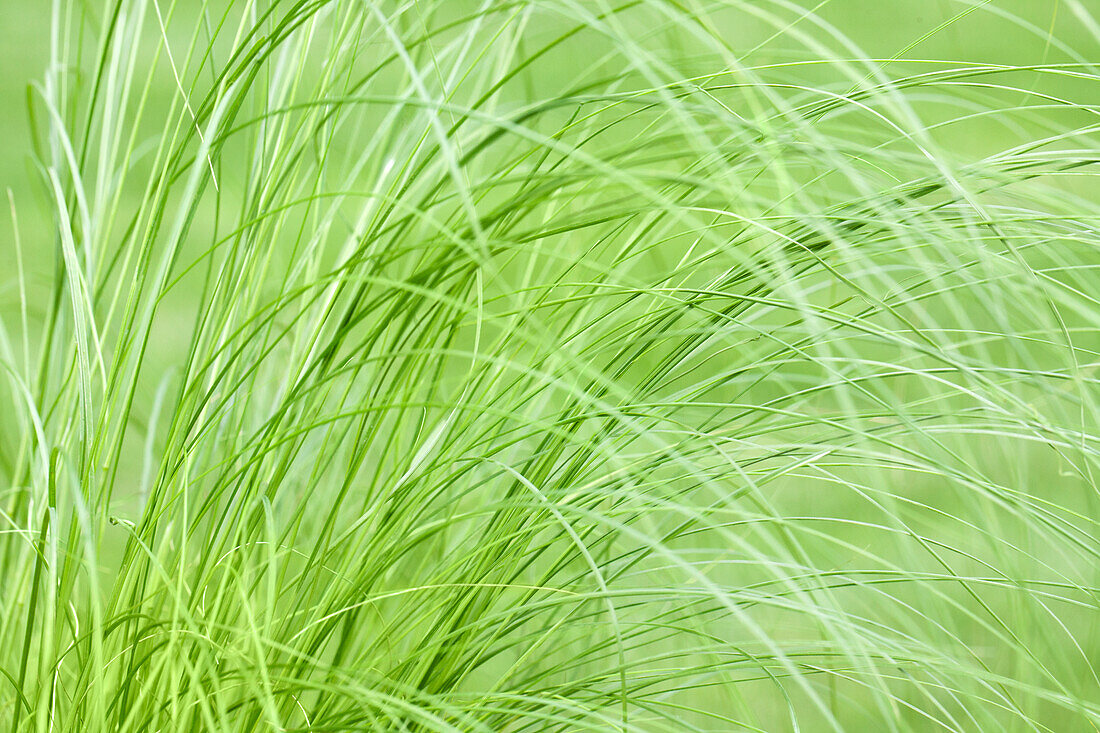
<point x="548" y="365"/>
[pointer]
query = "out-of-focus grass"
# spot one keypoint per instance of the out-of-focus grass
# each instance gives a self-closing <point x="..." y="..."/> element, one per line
<point x="548" y="365"/>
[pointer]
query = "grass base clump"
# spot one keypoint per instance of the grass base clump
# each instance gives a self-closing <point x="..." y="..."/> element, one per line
<point x="552" y="366"/>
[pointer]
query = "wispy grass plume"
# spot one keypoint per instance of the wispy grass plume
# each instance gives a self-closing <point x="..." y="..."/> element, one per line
<point x="548" y="365"/>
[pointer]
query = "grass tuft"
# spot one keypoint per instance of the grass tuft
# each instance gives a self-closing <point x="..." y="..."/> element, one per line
<point x="546" y="365"/>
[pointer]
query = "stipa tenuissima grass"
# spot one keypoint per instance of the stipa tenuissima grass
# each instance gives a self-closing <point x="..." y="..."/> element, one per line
<point x="547" y="365"/>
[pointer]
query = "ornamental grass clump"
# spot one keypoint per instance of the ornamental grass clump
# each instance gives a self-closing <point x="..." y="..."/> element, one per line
<point x="546" y="365"/>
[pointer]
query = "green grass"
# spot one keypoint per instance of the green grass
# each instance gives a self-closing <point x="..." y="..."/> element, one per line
<point x="547" y="365"/>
